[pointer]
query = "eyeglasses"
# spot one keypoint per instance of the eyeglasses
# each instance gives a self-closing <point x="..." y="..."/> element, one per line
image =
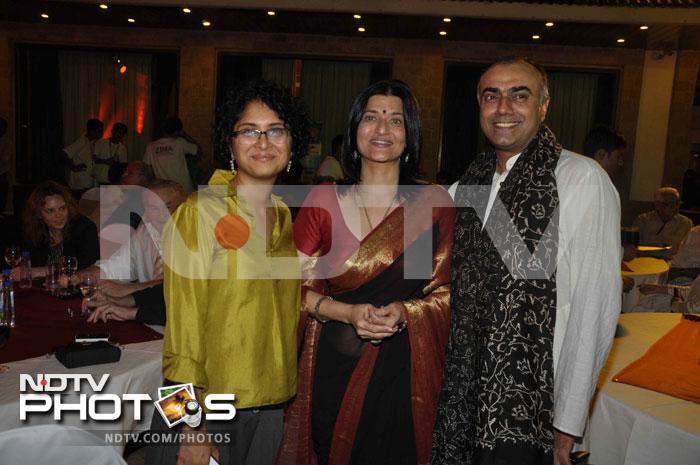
<point x="273" y="134"/>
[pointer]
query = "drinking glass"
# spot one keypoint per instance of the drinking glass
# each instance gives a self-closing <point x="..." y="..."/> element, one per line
<point x="13" y="256"/>
<point x="52" y="272"/>
<point x="69" y="267"/>
<point x="88" y="287"/>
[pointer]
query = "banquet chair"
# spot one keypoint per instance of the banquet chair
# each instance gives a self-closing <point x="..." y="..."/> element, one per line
<point x="55" y="445"/>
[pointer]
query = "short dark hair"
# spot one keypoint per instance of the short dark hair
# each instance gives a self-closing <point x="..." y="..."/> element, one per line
<point x="119" y="127"/>
<point x="412" y="123"/>
<point x="603" y="137"/>
<point x="172" y="125"/>
<point x="291" y="111"/>
<point x="93" y="124"/>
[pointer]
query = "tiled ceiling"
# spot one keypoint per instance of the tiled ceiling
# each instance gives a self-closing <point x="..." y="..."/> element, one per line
<point x="332" y="23"/>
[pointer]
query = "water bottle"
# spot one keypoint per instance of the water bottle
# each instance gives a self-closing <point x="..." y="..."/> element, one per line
<point x="25" y="272"/>
<point x="7" y="300"/>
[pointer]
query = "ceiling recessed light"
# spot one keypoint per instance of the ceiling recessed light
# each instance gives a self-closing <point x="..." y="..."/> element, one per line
<point x="206" y="23"/>
<point x="356" y="16"/>
<point x="271" y="13"/>
<point x="361" y="29"/>
<point x="103" y="6"/>
<point x="535" y="37"/>
<point x="131" y="20"/>
<point x="186" y="10"/>
<point x="620" y="40"/>
<point x="643" y="28"/>
<point x="443" y="33"/>
<point x="549" y="24"/>
<point x="45" y="16"/>
<point x="446" y="20"/>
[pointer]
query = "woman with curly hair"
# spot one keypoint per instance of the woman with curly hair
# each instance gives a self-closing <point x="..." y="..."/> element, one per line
<point x="232" y="312"/>
<point x="53" y="227"/>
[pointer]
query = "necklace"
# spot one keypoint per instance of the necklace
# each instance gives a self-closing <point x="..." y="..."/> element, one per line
<point x="364" y="209"/>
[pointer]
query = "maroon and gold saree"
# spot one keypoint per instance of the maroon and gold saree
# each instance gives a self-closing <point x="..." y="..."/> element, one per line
<point x="357" y="402"/>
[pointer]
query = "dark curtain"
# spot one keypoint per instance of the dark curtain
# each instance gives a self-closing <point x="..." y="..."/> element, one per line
<point x="40" y="121"/>
<point x="165" y="69"/>
<point x="461" y="133"/>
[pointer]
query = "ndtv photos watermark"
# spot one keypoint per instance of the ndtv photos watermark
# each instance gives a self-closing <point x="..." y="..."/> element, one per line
<point x="54" y="394"/>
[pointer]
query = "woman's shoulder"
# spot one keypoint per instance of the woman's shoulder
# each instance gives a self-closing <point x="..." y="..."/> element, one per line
<point x="81" y="223"/>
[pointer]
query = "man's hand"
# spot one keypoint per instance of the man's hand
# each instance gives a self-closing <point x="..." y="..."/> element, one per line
<point x="115" y="288"/>
<point x="112" y="312"/>
<point x="79" y="167"/>
<point x="563" y="444"/>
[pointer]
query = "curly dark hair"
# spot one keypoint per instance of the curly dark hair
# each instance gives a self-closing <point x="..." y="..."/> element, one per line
<point x="290" y="109"/>
<point x="35" y="230"/>
<point x="408" y="169"/>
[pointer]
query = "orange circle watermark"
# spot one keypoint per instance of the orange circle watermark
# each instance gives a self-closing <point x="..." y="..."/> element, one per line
<point x="232" y="232"/>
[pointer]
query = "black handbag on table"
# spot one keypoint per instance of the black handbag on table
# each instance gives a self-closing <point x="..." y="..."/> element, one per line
<point x="77" y="354"/>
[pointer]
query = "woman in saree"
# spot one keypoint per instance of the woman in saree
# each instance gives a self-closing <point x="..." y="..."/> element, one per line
<point x="374" y="344"/>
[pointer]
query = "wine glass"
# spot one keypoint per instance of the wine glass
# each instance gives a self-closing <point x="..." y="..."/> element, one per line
<point x="88" y="287"/>
<point x="69" y="267"/>
<point x="13" y="256"/>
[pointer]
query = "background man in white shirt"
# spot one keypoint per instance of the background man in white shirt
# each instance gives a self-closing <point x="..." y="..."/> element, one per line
<point x="109" y="151"/>
<point x="80" y="154"/>
<point x="167" y="155"/>
<point x="535" y="289"/>
<point x="664" y="225"/>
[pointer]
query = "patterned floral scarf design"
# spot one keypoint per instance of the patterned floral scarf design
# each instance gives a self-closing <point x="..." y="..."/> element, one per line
<point x="496" y="398"/>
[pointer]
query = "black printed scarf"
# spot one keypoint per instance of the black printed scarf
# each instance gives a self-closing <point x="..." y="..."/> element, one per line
<point x="496" y="403"/>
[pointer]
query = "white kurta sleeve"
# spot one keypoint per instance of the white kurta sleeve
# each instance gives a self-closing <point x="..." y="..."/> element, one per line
<point x="589" y="291"/>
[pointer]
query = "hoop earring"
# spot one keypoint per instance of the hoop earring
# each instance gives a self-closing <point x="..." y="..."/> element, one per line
<point x="289" y="166"/>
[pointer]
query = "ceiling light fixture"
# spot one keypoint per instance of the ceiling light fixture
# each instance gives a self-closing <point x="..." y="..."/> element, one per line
<point x="186" y="10"/>
<point x="643" y="28"/>
<point x="549" y="24"/>
<point x="45" y="16"/>
<point x="536" y="37"/>
<point x="356" y="16"/>
<point x="443" y="33"/>
<point x="206" y="23"/>
<point x="361" y="29"/>
<point x="103" y="6"/>
<point x="446" y="20"/>
<point x="271" y="13"/>
<point x="131" y="20"/>
<point x="620" y="40"/>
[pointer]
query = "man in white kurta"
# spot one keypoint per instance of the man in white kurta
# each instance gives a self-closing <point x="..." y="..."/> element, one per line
<point x="513" y="102"/>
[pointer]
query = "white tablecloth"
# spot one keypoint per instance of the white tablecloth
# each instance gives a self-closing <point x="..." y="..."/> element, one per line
<point x="645" y="270"/>
<point x="138" y="371"/>
<point x="634" y="426"/>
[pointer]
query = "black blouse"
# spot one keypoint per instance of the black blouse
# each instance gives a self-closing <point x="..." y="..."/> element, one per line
<point x="80" y="241"/>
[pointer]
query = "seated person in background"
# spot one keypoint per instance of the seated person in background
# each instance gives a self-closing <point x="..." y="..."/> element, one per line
<point x="52" y="227"/>
<point x="330" y="170"/>
<point x="664" y="225"/>
<point x="686" y="263"/>
<point x="145" y="306"/>
<point x="108" y="152"/>
<point x="116" y="204"/>
<point x="140" y="259"/>
<point x="605" y="146"/>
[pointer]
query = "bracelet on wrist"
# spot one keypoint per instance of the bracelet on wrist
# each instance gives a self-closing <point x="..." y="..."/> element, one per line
<point x="317" y="309"/>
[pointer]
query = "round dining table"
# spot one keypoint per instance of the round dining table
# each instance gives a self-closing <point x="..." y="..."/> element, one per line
<point x="630" y="425"/>
<point x="643" y="270"/>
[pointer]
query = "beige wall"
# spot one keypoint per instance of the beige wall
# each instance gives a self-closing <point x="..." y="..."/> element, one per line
<point x="418" y="62"/>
